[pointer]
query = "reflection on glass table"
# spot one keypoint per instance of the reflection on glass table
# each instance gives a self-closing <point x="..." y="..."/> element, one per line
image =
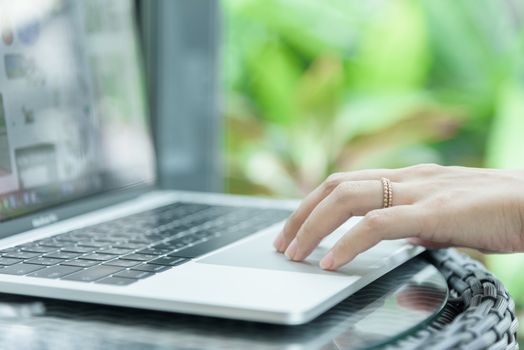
<point x="397" y="304"/>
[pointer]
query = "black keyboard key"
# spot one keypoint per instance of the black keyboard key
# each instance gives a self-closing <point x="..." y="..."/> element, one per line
<point x="135" y="274"/>
<point x="117" y="281"/>
<point x="213" y="244"/>
<point x="97" y="257"/>
<point x="114" y="251"/>
<point x="150" y="268"/>
<point x="205" y="233"/>
<point x="93" y="273"/>
<point x="162" y="246"/>
<point x="129" y="246"/>
<point x="77" y="249"/>
<point x="80" y="263"/>
<point x="8" y="250"/>
<point x="44" y="261"/>
<point x="152" y="251"/>
<point x="143" y="241"/>
<point x="66" y="239"/>
<point x="37" y="249"/>
<point x="86" y="234"/>
<point x="55" y="271"/>
<point x="184" y="241"/>
<point x="104" y="241"/>
<point x="9" y="261"/>
<point x="20" y="269"/>
<point x="123" y="263"/>
<point x="129" y="232"/>
<point x="93" y="244"/>
<point x="21" y="255"/>
<point x="138" y="257"/>
<point x="168" y="261"/>
<point x="62" y="255"/>
<point x="50" y="243"/>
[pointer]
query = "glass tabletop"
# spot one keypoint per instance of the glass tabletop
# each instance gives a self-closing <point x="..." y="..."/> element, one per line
<point x="398" y="303"/>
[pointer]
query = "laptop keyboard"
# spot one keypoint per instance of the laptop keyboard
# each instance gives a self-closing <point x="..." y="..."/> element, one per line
<point x="128" y="249"/>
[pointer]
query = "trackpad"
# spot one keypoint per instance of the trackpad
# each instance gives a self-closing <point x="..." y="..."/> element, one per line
<point x="258" y="252"/>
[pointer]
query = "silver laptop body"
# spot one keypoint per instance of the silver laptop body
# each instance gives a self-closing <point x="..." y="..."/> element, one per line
<point x="81" y="218"/>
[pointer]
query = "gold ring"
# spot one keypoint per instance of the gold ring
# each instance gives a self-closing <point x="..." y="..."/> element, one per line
<point x="388" y="193"/>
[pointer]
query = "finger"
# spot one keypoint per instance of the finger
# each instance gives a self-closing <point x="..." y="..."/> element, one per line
<point x="349" y="199"/>
<point x="390" y="223"/>
<point x="346" y="200"/>
<point x="296" y="219"/>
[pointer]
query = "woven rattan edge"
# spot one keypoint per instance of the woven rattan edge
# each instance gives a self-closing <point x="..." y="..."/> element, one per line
<point x="480" y="313"/>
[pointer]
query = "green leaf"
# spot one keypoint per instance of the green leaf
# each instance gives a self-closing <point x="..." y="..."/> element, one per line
<point x="273" y="80"/>
<point x="393" y="53"/>
<point x="307" y="27"/>
<point x="320" y="90"/>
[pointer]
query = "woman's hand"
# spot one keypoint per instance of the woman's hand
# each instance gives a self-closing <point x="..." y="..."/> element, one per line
<point x="434" y="206"/>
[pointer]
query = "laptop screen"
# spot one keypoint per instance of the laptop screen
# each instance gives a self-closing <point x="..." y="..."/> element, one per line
<point x="73" y="118"/>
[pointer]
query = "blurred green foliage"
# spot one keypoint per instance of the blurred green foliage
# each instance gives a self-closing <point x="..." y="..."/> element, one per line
<point x="317" y="86"/>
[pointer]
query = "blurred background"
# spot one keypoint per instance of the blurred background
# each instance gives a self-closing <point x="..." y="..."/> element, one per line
<point x="307" y="88"/>
<point x="315" y="87"/>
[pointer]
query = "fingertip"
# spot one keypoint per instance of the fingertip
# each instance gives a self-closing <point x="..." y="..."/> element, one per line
<point x="328" y="261"/>
<point x="279" y="242"/>
<point x="291" y="251"/>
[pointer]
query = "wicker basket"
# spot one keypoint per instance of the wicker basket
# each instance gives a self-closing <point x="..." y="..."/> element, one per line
<point x="479" y="315"/>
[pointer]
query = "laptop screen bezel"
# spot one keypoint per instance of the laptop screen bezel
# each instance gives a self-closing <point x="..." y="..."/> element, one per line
<point x="71" y="209"/>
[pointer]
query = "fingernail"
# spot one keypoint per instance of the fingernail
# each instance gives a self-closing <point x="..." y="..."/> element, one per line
<point x="327" y="262"/>
<point x="279" y="241"/>
<point x="292" y="249"/>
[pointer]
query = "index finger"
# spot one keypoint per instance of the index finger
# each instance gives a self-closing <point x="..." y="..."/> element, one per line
<point x="296" y="220"/>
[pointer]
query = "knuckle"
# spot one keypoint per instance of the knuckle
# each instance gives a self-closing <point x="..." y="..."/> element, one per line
<point x="426" y="168"/>
<point x="345" y="190"/>
<point x="441" y="200"/>
<point x="333" y="181"/>
<point x="375" y="220"/>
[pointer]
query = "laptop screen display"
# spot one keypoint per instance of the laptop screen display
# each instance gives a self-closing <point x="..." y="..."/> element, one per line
<point x="73" y="114"/>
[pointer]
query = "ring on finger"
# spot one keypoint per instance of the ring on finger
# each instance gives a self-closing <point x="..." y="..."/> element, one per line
<point x="387" y="193"/>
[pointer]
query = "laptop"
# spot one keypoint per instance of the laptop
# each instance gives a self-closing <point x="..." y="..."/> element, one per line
<point x="81" y="217"/>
